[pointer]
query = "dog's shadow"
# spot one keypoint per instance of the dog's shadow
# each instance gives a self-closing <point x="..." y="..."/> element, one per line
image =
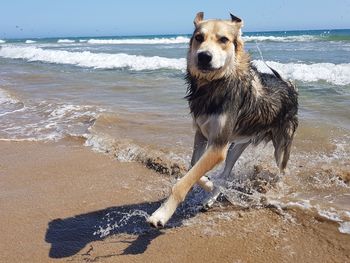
<point x="70" y="235"/>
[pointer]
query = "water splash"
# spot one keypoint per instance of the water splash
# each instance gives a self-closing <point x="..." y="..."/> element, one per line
<point x="125" y="217"/>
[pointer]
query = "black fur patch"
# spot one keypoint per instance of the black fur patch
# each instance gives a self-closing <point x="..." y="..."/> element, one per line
<point x="265" y="116"/>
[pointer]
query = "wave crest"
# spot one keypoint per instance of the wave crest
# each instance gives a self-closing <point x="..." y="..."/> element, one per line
<point x="301" y="38"/>
<point x="140" y="41"/>
<point x="93" y="60"/>
<point x="338" y="74"/>
<point x="65" y="41"/>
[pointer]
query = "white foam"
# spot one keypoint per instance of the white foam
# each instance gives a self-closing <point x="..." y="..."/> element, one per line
<point x="331" y="215"/>
<point x="301" y="38"/>
<point x="127" y="151"/>
<point x="119" y="219"/>
<point x="344" y="227"/>
<point x="144" y="41"/>
<point x="338" y="74"/>
<point x="12" y="112"/>
<point x="46" y="121"/>
<point x="65" y="41"/>
<point x="68" y="109"/>
<point x="30" y="41"/>
<point x="98" y="143"/>
<point x="185" y="40"/>
<point x="347" y="213"/>
<point x="2" y="41"/>
<point x="93" y="60"/>
<point x="302" y="204"/>
<point x="5" y="97"/>
<point x="336" y="215"/>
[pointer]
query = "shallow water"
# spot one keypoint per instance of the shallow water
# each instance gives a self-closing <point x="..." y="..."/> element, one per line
<point x="124" y="95"/>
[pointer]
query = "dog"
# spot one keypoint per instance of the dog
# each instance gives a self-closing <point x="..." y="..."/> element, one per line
<point x="233" y="105"/>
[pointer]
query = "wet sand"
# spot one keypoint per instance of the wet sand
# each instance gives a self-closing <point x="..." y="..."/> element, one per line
<point x="54" y="196"/>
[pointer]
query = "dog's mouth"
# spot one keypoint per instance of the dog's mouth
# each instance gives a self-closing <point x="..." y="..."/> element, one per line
<point x="207" y="69"/>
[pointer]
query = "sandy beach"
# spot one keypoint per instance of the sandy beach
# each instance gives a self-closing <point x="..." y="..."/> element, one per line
<point x="56" y="198"/>
<point x="97" y="124"/>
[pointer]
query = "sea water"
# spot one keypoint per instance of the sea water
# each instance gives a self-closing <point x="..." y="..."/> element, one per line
<point x="125" y="96"/>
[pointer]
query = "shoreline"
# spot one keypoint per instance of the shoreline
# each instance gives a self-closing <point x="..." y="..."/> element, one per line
<point x="57" y="200"/>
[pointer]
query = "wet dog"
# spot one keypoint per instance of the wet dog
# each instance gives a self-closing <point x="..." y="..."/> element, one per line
<point x="233" y="105"/>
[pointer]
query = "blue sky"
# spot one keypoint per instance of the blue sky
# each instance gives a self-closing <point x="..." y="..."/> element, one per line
<point x="44" y="18"/>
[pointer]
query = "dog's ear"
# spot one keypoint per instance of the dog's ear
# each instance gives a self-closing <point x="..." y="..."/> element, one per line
<point x="236" y="20"/>
<point x="199" y="17"/>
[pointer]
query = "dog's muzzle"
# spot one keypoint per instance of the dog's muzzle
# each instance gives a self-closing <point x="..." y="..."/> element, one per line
<point x="204" y="60"/>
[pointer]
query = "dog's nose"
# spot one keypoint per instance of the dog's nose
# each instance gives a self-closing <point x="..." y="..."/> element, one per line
<point x="204" y="58"/>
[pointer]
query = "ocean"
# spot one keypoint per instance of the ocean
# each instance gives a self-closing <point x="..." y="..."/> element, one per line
<point x="125" y="96"/>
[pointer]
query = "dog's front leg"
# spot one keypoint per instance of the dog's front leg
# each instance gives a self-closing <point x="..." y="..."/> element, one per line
<point x="211" y="157"/>
<point x="233" y="153"/>
<point x="200" y="143"/>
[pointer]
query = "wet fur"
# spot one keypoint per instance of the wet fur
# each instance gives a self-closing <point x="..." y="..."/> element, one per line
<point x="269" y="113"/>
<point x="233" y="105"/>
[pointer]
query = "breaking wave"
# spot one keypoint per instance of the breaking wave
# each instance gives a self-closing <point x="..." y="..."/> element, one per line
<point x="93" y="60"/>
<point x="338" y="74"/>
<point x="301" y="38"/>
<point x="186" y="39"/>
<point x="143" y="41"/>
<point x="2" y="41"/>
<point x="30" y="41"/>
<point x="65" y="41"/>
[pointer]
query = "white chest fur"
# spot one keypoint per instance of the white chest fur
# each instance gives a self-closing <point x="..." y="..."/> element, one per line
<point x="211" y="125"/>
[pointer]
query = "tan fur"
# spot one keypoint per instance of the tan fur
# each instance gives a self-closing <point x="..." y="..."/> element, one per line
<point x="234" y="62"/>
<point x="206" y="184"/>
<point x="258" y="88"/>
<point x="237" y="61"/>
<point x="217" y="52"/>
<point x="211" y="125"/>
<point x="198" y="18"/>
<point x="208" y="161"/>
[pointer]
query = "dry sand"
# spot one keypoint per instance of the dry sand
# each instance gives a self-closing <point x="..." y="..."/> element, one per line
<point x="54" y="196"/>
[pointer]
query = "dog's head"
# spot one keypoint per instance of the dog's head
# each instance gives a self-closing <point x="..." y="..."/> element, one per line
<point x="214" y="47"/>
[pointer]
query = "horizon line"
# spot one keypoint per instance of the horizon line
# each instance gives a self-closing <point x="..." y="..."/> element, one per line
<point x="169" y="34"/>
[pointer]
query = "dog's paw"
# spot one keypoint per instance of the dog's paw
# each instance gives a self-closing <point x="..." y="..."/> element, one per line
<point x="162" y="215"/>
<point x="206" y="184"/>
<point x="156" y="222"/>
<point x="157" y="219"/>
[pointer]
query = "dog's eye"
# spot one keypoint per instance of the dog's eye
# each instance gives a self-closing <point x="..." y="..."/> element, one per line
<point x="199" y="38"/>
<point x="223" y="40"/>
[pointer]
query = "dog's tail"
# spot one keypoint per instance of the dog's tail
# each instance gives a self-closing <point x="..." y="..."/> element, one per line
<point x="289" y="82"/>
<point x="274" y="72"/>
<point x="277" y="75"/>
<point x="263" y="60"/>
